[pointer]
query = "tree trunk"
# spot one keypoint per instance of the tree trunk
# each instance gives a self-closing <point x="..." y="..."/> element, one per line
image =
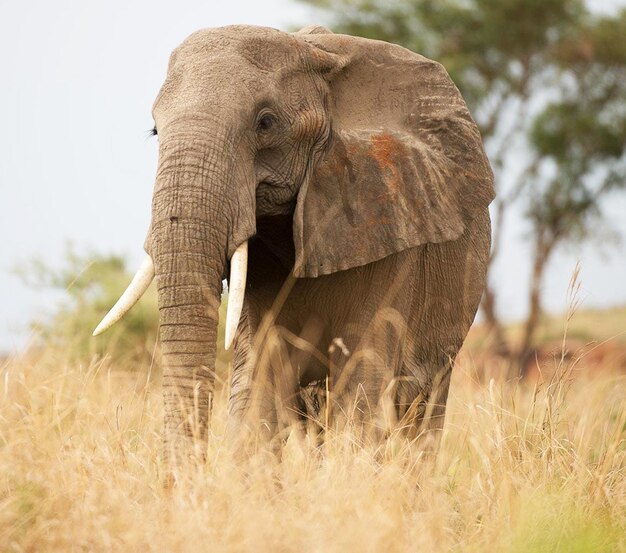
<point x="488" y="306"/>
<point x="543" y="250"/>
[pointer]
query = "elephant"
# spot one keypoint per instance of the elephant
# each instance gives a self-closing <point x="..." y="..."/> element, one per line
<point x="341" y="185"/>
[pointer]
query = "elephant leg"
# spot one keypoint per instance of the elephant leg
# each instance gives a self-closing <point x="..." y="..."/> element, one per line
<point x="241" y="377"/>
<point x="368" y="341"/>
<point x="362" y="369"/>
<point x="451" y="280"/>
<point x="264" y="382"/>
<point x="421" y="396"/>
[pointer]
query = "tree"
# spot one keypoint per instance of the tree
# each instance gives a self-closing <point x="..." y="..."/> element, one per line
<point x="89" y="285"/>
<point x="543" y="80"/>
<point x="580" y="139"/>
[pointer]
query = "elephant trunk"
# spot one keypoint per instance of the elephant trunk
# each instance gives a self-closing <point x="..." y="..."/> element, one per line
<point x="189" y="289"/>
<point x="191" y="237"/>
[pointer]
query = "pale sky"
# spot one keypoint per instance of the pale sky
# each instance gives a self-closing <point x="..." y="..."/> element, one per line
<point x="77" y="82"/>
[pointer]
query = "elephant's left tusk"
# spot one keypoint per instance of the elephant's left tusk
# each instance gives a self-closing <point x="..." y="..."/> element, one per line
<point x="135" y="290"/>
<point x="236" y="292"/>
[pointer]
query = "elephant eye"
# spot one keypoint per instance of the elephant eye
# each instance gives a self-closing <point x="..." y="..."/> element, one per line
<point x="266" y="122"/>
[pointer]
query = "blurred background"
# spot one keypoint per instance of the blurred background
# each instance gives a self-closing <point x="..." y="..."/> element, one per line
<point x="545" y="80"/>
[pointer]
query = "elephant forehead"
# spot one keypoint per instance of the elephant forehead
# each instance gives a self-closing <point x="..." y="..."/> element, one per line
<point x="262" y="47"/>
<point x="196" y="92"/>
<point x="219" y="82"/>
<point x="240" y="64"/>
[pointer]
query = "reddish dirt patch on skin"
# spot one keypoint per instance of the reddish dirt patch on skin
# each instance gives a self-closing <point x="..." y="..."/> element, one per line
<point x="386" y="150"/>
<point x="354" y="148"/>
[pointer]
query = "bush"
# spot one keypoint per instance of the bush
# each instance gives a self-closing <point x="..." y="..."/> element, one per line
<point x="90" y="284"/>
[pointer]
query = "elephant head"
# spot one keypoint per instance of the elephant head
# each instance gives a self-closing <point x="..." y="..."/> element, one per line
<point x="367" y="146"/>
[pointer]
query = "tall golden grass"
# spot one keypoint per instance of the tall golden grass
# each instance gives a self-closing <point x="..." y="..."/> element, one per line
<point x="520" y="469"/>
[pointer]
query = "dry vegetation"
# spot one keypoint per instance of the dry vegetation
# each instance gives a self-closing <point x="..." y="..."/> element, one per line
<point x="522" y="468"/>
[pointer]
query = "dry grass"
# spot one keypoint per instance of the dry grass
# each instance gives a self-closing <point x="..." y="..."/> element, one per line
<point x="520" y="469"/>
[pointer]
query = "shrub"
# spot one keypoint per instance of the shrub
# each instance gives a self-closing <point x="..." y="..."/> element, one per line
<point x="90" y="284"/>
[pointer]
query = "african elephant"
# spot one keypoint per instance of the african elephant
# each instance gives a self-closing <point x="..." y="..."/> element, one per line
<point x="344" y="185"/>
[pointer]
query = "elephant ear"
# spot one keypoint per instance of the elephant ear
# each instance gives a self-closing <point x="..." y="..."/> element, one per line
<point x="404" y="165"/>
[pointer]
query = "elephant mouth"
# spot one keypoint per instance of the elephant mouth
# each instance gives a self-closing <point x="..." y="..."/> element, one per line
<point x="144" y="276"/>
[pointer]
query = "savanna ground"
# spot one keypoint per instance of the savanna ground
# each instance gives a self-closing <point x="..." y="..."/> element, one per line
<point x="531" y="466"/>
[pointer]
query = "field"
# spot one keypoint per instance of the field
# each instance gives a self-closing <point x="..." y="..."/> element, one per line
<point x="523" y="467"/>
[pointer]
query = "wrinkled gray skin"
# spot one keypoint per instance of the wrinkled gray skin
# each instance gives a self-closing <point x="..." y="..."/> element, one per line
<point x="352" y="164"/>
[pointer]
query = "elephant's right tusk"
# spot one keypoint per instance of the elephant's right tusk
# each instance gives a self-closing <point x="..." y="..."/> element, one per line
<point x="236" y="292"/>
<point x="135" y="290"/>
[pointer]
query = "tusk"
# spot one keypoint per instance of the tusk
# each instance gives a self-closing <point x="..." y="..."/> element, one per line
<point x="135" y="290"/>
<point x="236" y="291"/>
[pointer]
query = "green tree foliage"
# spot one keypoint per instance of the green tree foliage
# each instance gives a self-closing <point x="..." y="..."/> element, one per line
<point x="545" y="80"/>
<point x="89" y="285"/>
